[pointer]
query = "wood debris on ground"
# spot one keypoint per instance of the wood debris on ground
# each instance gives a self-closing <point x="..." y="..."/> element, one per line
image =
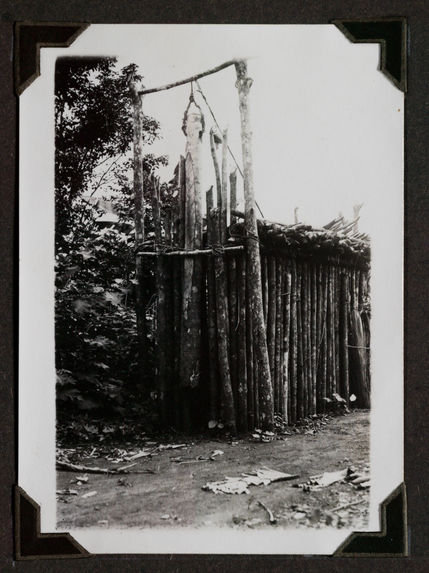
<point x="79" y="480"/>
<point x="350" y="475"/>
<point x="67" y="466"/>
<point x="89" y="494"/>
<point x="360" y="480"/>
<point x="323" y="480"/>
<point x="211" y="458"/>
<point x="67" y="491"/>
<point x="114" y="455"/>
<point x="272" y="519"/>
<point x="263" y="436"/>
<point x="238" y="485"/>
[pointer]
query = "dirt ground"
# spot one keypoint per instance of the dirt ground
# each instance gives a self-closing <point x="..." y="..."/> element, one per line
<point x="173" y="494"/>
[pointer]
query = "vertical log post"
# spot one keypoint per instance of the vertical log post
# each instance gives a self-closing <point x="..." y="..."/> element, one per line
<point x="279" y="337"/>
<point x="162" y="291"/>
<point x="222" y="322"/>
<point x="324" y="340"/>
<point x="242" y="359"/>
<point x="233" y="322"/>
<point x="252" y="252"/>
<point x="182" y="201"/>
<point x="286" y="343"/>
<point x="300" y="356"/>
<point x="271" y="318"/>
<point x="314" y="337"/>
<point x="213" y="140"/>
<point x="233" y="196"/>
<point x="139" y="213"/>
<point x="211" y="315"/>
<point x="344" y="327"/>
<point x="294" y="344"/>
<point x="192" y="278"/>
<point x="224" y="192"/>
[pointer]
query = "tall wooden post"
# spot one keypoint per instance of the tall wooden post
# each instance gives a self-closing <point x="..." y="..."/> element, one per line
<point x="139" y="212"/>
<point x="192" y="266"/>
<point x="266" y="405"/>
<point x="224" y="205"/>
<point x="233" y="197"/>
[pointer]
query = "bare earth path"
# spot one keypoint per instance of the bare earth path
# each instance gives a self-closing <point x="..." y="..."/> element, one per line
<point x="172" y="496"/>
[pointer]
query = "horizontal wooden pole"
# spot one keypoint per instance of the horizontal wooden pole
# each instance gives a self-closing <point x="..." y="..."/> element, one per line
<point x="190" y="253"/>
<point x="190" y="79"/>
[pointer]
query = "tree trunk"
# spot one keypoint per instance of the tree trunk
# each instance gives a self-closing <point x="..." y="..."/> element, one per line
<point x="139" y="212"/>
<point x="253" y="254"/>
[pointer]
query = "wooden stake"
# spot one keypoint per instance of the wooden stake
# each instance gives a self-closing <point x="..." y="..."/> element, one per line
<point x="233" y="323"/>
<point x="279" y="337"/>
<point x="271" y="318"/>
<point x="163" y="322"/>
<point x="325" y="328"/>
<point x="305" y="332"/>
<point x="224" y="202"/>
<point x="287" y="288"/>
<point x="300" y="357"/>
<point x="337" y="330"/>
<point x="314" y="338"/>
<point x="233" y="196"/>
<point x="182" y="201"/>
<point x="242" y="418"/>
<point x="320" y="334"/>
<point x="294" y="344"/>
<point x="177" y="314"/>
<point x="211" y="319"/>
<point x="265" y="287"/>
<point x="222" y="321"/>
<point x="216" y="169"/>
<point x="251" y="381"/>
<point x="345" y="309"/>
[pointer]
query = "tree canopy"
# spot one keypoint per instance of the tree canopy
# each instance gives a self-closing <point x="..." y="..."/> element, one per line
<point x="95" y="268"/>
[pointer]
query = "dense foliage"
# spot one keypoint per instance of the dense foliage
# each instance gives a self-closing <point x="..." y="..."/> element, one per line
<point x="96" y="346"/>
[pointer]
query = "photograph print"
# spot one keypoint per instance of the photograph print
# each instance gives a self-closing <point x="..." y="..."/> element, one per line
<point x="223" y="214"/>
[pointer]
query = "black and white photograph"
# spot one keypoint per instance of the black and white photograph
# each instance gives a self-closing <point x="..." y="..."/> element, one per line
<point x="211" y="288"/>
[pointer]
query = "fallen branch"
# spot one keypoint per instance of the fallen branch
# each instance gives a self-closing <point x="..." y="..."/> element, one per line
<point x="346" y="505"/>
<point x="270" y="513"/>
<point x="69" y="467"/>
